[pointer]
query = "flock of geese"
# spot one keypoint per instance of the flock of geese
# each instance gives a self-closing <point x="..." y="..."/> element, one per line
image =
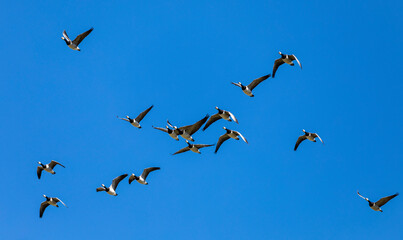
<point x="186" y="132"/>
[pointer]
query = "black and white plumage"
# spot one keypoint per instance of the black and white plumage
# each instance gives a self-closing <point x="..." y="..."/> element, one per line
<point x="170" y="132"/>
<point x="248" y="89"/>
<point x="229" y="134"/>
<point x="193" y="147"/>
<point x="143" y="176"/>
<point x="112" y="188"/>
<point x="307" y="135"/>
<point x="74" y="44"/>
<point x="285" y="58"/>
<point x="49" y="201"/>
<point x="376" y="206"/>
<point x="136" y="121"/>
<point x="48" y="168"/>
<point x="222" y="114"/>
<point x="187" y="131"/>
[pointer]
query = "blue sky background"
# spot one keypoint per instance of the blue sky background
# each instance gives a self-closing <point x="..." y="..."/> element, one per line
<point x="181" y="56"/>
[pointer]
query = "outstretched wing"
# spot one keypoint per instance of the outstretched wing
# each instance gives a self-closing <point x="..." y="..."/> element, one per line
<point x="185" y="149"/>
<point x="237" y="84"/>
<point x="53" y="163"/>
<point x="131" y="178"/>
<point x="100" y="189"/>
<point x="191" y="129"/>
<point x="293" y="57"/>
<point x="39" y="172"/>
<point x="299" y="140"/>
<point x="277" y="64"/>
<point x="212" y="119"/>
<point x="203" y="145"/>
<point x="319" y="138"/>
<point x="362" y="196"/>
<point x="81" y="37"/>
<point x="384" y="200"/>
<point x="147" y="171"/>
<point x="233" y="117"/>
<point x="222" y="139"/>
<point x="257" y="81"/>
<point x="117" y="180"/>
<point x="161" y="129"/>
<point x="44" y="205"/>
<point x="244" y="139"/>
<point x="143" y="114"/>
<point x="58" y="200"/>
<point x="65" y="35"/>
<point x="125" y="119"/>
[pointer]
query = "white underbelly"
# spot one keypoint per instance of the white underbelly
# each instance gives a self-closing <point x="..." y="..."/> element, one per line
<point x="174" y="136"/>
<point x="225" y="116"/>
<point x="248" y="92"/>
<point x="195" y="150"/>
<point x="73" y="46"/>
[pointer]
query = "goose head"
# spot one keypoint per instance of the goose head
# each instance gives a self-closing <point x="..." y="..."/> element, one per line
<point x="190" y="145"/>
<point x="41" y="164"/>
<point x="63" y="38"/>
<point x="127" y="117"/>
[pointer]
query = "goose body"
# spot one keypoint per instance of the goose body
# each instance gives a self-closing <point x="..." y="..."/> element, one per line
<point x="285" y="58"/>
<point x="186" y="132"/>
<point x="247" y="89"/>
<point x="222" y="114"/>
<point x="111" y="190"/>
<point x="229" y="134"/>
<point x="47" y="167"/>
<point x="49" y="201"/>
<point x="135" y="122"/>
<point x="193" y="147"/>
<point x="142" y="178"/>
<point x="170" y="132"/>
<point x="307" y="135"/>
<point x="376" y="206"/>
<point x="74" y="44"/>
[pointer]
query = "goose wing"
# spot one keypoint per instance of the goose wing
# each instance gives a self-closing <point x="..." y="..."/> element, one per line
<point x="257" y="81"/>
<point x="212" y="119"/>
<point x="237" y="84"/>
<point x="203" y="145"/>
<point x="222" y="139"/>
<point x="384" y="200"/>
<point x="117" y="180"/>
<point x="53" y="163"/>
<point x="191" y="129"/>
<point x="277" y="64"/>
<point x="125" y="119"/>
<point x="58" y="200"/>
<point x="299" y="140"/>
<point x="143" y="114"/>
<point x="185" y="149"/>
<point x="39" y="172"/>
<point x="44" y="205"/>
<point x="81" y="37"/>
<point x="161" y="129"/>
<point x="233" y="117"/>
<point x="243" y="138"/>
<point x="293" y="57"/>
<point x="65" y="35"/>
<point x="132" y="178"/>
<point x="147" y="171"/>
<point x="100" y="189"/>
<point x="319" y="138"/>
<point x="362" y="196"/>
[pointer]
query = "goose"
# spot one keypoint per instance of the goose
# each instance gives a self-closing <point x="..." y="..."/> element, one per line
<point x="376" y="206"/>
<point x="187" y="131"/>
<point x="136" y="122"/>
<point x="48" y="168"/>
<point x="224" y="114"/>
<point x="49" y="201"/>
<point x="248" y="89"/>
<point x="170" y="132"/>
<point x="307" y="135"/>
<point x="193" y="147"/>
<point x="229" y="134"/>
<point x="111" y="190"/>
<point x="285" y="58"/>
<point x="74" y="44"/>
<point x="143" y="176"/>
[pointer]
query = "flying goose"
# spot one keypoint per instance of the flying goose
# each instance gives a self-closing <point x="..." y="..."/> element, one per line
<point x="376" y="206"/>
<point x="170" y="132"/>
<point x="193" y="147"/>
<point x="248" y="89"/>
<point x="285" y="58"/>
<point x="136" y="122"/>
<point x="74" y="44"/>
<point x="143" y="176"/>
<point x="49" y="201"/>
<point x="48" y="168"/>
<point x="307" y="135"/>
<point x="111" y="190"/>
<point x="229" y="134"/>
<point x="224" y="114"/>
<point x="187" y="131"/>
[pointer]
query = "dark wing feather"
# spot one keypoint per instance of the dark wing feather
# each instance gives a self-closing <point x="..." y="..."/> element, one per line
<point x="299" y="140"/>
<point x="222" y="139"/>
<point x="147" y="171"/>
<point x="117" y="180"/>
<point x="81" y="37"/>
<point x="53" y="163"/>
<point x="212" y="119"/>
<point x="39" y="172"/>
<point x="131" y="178"/>
<point x="162" y="129"/>
<point x="257" y="81"/>
<point x="100" y="189"/>
<point x="204" y="145"/>
<point x="294" y="58"/>
<point x="44" y="205"/>
<point x="185" y="149"/>
<point x="143" y="114"/>
<point x="384" y="200"/>
<point x="191" y="129"/>
<point x="277" y="64"/>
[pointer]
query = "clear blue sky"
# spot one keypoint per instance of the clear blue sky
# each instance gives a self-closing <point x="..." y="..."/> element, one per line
<point x="181" y="56"/>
